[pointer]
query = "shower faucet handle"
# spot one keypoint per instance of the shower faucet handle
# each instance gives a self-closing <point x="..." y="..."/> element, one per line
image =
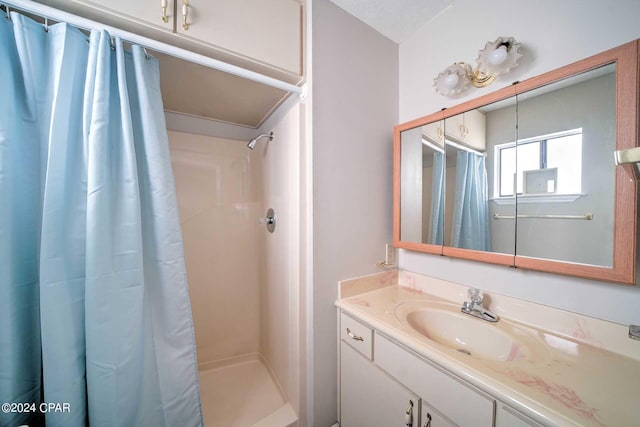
<point x="269" y="220"/>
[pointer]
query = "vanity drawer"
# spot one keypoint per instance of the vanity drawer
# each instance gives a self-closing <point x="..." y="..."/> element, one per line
<point x="454" y="399"/>
<point x="357" y="335"/>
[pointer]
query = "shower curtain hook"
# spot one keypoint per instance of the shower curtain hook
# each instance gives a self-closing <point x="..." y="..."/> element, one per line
<point x="46" y="25"/>
<point x="8" y="12"/>
<point x="146" y="54"/>
<point x="113" y="43"/>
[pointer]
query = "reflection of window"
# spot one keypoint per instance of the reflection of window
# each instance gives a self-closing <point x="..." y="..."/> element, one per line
<point x="562" y="151"/>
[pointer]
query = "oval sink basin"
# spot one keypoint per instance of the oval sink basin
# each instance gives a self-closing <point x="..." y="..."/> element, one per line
<point x="446" y="325"/>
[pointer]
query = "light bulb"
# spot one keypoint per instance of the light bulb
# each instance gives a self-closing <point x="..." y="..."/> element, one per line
<point x="451" y="81"/>
<point x="498" y="56"/>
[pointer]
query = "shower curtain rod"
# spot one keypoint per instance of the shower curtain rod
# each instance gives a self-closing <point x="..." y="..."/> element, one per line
<point x="49" y="12"/>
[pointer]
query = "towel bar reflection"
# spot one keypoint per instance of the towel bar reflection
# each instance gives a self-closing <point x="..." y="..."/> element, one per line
<point x="587" y="216"/>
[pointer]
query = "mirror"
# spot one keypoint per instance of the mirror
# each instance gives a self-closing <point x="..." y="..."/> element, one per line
<point x="422" y="183"/>
<point x="566" y="171"/>
<point x="470" y="139"/>
<point x="525" y="176"/>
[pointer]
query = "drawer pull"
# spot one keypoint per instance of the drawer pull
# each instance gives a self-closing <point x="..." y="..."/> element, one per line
<point x="428" y="423"/>
<point x="185" y="14"/>
<point x="354" y="336"/>
<point x="165" y="18"/>
<point x="408" y="415"/>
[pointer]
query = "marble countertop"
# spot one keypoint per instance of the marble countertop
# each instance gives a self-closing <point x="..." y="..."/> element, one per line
<point x="583" y="377"/>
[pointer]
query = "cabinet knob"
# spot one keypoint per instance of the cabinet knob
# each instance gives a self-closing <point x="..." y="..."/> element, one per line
<point x="408" y="415"/>
<point x="185" y="14"/>
<point x="165" y="18"/>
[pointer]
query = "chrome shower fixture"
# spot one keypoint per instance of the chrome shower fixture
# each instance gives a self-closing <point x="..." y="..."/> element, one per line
<point x="252" y="143"/>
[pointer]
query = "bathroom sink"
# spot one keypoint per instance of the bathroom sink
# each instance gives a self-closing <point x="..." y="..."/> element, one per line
<point x="446" y="325"/>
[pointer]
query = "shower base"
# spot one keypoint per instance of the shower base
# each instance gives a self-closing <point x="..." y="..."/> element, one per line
<point x="241" y="392"/>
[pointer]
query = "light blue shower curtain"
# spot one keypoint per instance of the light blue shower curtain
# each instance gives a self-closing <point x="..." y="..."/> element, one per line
<point x="470" y="227"/>
<point x="94" y="306"/>
<point x="436" y="218"/>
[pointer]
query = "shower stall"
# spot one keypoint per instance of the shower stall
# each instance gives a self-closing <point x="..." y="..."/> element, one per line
<point x="244" y="277"/>
<point x="243" y="280"/>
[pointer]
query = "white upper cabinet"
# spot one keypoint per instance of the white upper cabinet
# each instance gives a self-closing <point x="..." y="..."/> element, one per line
<point x="266" y="30"/>
<point x="147" y="12"/>
<point x="468" y="128"/>
<point x="261" y="35"/>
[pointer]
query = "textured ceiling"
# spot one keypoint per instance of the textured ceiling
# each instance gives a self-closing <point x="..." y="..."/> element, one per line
<point x="396" y="19"/>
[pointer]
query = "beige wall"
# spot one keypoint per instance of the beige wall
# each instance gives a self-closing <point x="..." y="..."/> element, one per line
<point x="280" y="285"/>
<point x="355" y="106"/>
<point x="219" y="188"/>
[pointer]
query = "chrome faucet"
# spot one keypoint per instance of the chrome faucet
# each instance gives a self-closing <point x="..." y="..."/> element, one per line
<point x="475" y="308"/>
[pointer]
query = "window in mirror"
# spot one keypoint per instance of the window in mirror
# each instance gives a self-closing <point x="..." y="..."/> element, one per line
<point x="547" y="164"/>
<point x="568" y="225"/>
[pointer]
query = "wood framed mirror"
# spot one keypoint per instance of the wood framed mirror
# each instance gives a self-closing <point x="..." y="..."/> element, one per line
<point x="525" y="176"/>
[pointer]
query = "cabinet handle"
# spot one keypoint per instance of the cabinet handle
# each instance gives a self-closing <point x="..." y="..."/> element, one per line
<point x="165" y="18"/>
<point x="408" y="415"/>
<point x="464" y="131"/>
<point x="185" y="14"/>
<point x="354" y="336"/>
<point x="428" y="423"/>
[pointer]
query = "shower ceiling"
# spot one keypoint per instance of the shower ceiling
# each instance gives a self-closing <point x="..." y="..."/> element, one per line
<point x="196" y="90"/>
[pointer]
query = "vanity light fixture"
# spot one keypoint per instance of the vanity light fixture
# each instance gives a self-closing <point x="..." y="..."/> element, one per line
<point x="497" y="58"/>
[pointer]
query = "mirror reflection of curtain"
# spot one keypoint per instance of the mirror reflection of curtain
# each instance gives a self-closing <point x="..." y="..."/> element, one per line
<point x="471" y="209"/>
<point x="436" y="215"/>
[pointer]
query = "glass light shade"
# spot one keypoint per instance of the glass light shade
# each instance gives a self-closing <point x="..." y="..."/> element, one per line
<point x="499" y="57"/>
<point x="453" y="80"/>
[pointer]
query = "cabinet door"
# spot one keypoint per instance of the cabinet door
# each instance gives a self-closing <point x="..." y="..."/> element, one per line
<point x="458" y="401"/>
<point x="434" y="132"/>
<point x="268" y="31"/>
<point x="509" y="417"/>
<point x="468" y="128"/>
<point x="371" y="398"/>
<point x="432" y="418"/>
<point x="148" y="12"/>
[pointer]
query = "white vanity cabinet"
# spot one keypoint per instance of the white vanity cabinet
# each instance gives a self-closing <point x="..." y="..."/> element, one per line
<point x="432" y="418"/>
<point x="378" y="378"/>
<point x="263" y="35"/>
<point x="459" y="402"/>
<point x="369" y="397"/>
<point x="509" y="417"/>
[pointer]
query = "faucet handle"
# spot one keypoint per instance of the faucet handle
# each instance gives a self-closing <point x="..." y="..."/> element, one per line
<point x="475" y="295"/>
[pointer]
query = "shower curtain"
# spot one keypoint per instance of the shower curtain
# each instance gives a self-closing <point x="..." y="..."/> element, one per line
<point x="94" y="308"/>
<point x="436" y="217"/>
<point x="470" y="227"/>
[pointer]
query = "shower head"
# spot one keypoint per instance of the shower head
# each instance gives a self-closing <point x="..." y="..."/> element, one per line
<point x="252" y="143"/>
